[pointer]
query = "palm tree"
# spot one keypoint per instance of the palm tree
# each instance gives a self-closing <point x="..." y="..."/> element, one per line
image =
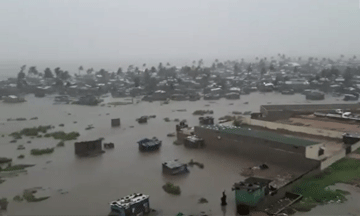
<point x="144" y="65"/>
<point x="80" y="69"/>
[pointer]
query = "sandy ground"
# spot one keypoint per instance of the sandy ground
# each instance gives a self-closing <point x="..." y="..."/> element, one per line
<point x="328" y="124"/>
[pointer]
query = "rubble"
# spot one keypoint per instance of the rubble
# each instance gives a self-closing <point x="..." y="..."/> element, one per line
<point x="203" y="112"/>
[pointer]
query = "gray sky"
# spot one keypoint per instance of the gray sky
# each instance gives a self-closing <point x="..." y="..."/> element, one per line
<point x="176" y="29"/>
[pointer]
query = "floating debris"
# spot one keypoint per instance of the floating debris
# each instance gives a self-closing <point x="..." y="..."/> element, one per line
<point x="61" y="125"/>
<point x="41" y="151"/>
<point x="34" y="118"/>
<point x="21" y="156"/>
<point x="203" y="112"/>
<point x="203" y="200"/>
<point x="192" y="162"/>
<point x="171" y="188"/>
<point x="20" y="147"/>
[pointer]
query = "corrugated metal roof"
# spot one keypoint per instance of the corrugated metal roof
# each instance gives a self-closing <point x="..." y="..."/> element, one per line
<point x="266" y="135"/>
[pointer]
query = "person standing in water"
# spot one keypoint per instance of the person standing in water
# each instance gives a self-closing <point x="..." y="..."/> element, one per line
<point x="223" y="199"/>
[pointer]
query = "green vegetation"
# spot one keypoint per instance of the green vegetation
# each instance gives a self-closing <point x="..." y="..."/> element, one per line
<point x="29" y="196"/>
<point x="171" y="188"/>
<point x="60" y="144"/>
<point x="166" y="119"/>
<point x="31" y="131"/>
<point x="3" y="135"/>
<point x="18" y="198"/>
<point x="21" y="156"/>
<point x="41" y="151"/>
<point x="316" y="189"/>
<point x="61" y="135"/>
<point x="203" y="112"/>
<point x="16" y="167"/>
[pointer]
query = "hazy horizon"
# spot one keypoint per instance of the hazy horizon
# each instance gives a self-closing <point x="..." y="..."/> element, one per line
<point x="136" y="32"/>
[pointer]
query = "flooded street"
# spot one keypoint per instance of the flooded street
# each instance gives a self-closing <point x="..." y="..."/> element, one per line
<point x="92" y="183"/>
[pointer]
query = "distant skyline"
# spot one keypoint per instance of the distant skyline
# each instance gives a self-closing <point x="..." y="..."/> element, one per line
<point x="129" y="31"/>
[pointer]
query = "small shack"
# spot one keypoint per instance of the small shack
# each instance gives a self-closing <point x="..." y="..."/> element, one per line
<point x="194" y="142"/>
<point x="208" y="120"/>
<point x="149" y="144"/>
<point x="88" y="148"/>
<point x="115" y="122"/>
<point x="174" y="167"/>
<point x="131" y="205"/>
<point x="250" y="192"/>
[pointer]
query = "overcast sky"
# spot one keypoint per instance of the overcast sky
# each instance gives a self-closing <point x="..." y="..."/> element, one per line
<point x="170" y="29"/>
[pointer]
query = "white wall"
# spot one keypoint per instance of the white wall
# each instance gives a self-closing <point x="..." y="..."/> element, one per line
<point x="313" y="151"/>
<point x="293" y="128"/>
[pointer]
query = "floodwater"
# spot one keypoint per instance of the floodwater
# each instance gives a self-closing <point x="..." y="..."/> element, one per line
<point x="93" y="182"/>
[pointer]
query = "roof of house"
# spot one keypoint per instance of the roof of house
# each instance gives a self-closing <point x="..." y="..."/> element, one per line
<point x="265" y="135"/>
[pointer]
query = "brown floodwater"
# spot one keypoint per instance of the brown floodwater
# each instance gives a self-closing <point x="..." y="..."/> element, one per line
<point x="92" y="183"/>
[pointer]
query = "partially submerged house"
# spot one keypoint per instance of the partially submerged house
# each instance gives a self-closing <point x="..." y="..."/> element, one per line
<point x="131" y="205"/>
<point x="174" y="167"/>
<point x="194" y="142"/>
<point x="88" y="148"/>
<point x="149" y="144"/>
<point x="115" y="122"/>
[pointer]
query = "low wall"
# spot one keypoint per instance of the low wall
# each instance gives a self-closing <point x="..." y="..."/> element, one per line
<point x="293" y="128"/>
<point x="330" y="160"/>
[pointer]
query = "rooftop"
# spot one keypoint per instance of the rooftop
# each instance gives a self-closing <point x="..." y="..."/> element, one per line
<point x="173" y="164"/>
<point x="260" y="134"/>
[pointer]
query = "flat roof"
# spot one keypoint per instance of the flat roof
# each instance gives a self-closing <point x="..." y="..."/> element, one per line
<point x="265" y="135"/>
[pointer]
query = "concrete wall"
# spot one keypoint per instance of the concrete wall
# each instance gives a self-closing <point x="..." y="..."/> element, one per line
<point x="313" y="151"/>
<point x="293" y="128"/>
<point x="260" y="151"/>
<point x="330" y="160"/>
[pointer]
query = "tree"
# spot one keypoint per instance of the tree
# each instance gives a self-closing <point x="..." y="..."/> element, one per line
<point x="119" y="71"/>
<point x="80" y="69"/>
<point x="249" y="69"/>
<point x="57" y="71"/>
<point x="342" y="56"/>
<point x="272" y="68"/>
<point x="153" y="69"/>
<point x="65" y="75"/>
<point x="236" y="69"/>
<point x="200" y="62"/>
<point x="160" y="67"/>
<point x="89" y="71"/>
<point x="22" y="68"/>
<point x="295" y="69"/>
<point x="263" y="71"/>
<point x="354" y="57"/>
<point x="299" y="58"/>
<point x="137" y="81"/>
<point x="257" y="58"/>
<point x="144" y="65"/>
<point x="48" y="73"/>
<point x="32" y="70"/>
<point x="168" y="64"/>
<point x="21" y="75"/>
<point x="348" y="75"/>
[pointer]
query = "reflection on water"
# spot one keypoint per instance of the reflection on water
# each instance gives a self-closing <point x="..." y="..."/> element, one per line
<point x="93" y="182"/>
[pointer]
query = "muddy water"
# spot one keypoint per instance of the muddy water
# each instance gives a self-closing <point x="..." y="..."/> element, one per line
<point x="93" y="182"/>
